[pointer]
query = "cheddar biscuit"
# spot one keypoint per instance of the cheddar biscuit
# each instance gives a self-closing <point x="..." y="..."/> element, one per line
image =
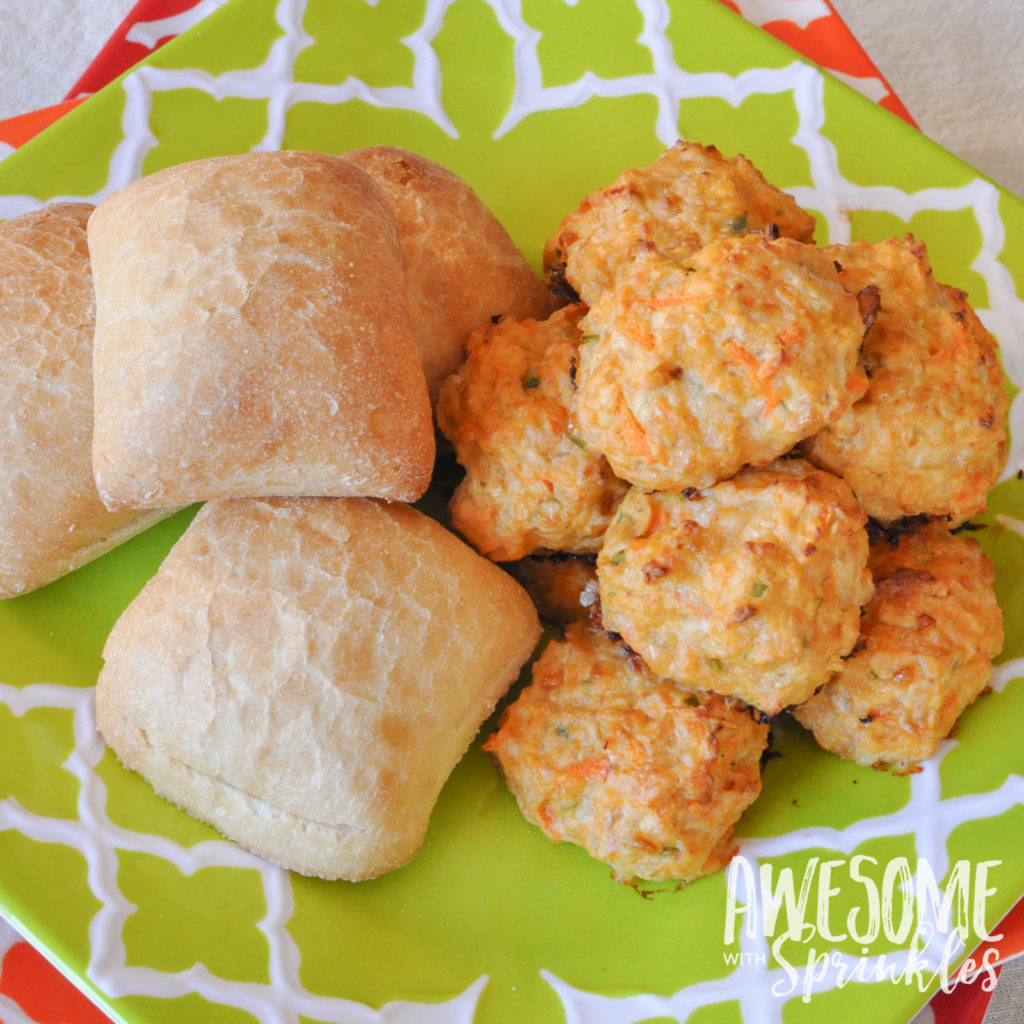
<point x="751" y="588"/>
<point x="690" y="370"/>
<point x="929" y="436"/>
<point x="688" y="197"/>
<point x="642" y="772"/>
<point x="530" y="483"/>
<point x="925" y="652"/>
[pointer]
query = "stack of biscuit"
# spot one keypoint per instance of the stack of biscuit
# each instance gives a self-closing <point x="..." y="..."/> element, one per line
<point x="744" y="457"/>
<point x="265" y="333"/>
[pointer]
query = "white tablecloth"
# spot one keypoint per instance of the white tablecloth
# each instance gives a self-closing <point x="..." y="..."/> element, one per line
<point x="45" y="45"/>
<point x="958" y="67"/>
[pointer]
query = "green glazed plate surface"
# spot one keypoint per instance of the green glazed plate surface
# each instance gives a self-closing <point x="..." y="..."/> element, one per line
<point x="535" y="103"/>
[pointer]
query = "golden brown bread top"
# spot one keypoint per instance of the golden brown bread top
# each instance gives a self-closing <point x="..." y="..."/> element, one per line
<point x="461" y="266"/>
<point x="329" y="658"/>
<point x="51" y="518"/>
<point x="252" y="336"/>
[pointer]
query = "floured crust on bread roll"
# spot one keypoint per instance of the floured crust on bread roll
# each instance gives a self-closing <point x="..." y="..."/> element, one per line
<point x="304" y="674"/>
<point x="461" y="266"/>
<point x="51" y="517"/>
<point x="253" y="338"/>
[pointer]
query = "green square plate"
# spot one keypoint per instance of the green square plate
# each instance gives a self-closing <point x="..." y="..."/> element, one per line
<point x="535" y="102"/>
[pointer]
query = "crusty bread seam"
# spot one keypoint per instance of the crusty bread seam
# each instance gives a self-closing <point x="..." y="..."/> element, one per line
<point x="258" y="802"/>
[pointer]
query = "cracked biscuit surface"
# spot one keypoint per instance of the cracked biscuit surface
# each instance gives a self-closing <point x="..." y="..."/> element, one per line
<point x="690" y="370"/>
<point x="927" y="639"/>
<point x="929" y="436"/>
<point x="691" y="195"/>
<point x="643" y="773"/>
<point x="52" y="519"/>
<point x="530" y="484"/>
<point x="751" y="588"/>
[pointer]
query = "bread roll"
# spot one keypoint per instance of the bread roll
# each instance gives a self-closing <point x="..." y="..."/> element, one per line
<point x="461" y="266"/>
<point x="51" y="518"/>
<point x="252" y="337"/>
<point x="303" y="674"/>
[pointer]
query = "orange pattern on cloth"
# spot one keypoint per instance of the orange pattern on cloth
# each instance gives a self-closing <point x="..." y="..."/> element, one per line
<point x="42" y="992"/>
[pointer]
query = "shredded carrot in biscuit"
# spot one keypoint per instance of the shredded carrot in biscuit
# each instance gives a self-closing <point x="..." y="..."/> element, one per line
<point x="760" y="376"/>
<point x="634" y="434"/>
<point x="591" y="768"/>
